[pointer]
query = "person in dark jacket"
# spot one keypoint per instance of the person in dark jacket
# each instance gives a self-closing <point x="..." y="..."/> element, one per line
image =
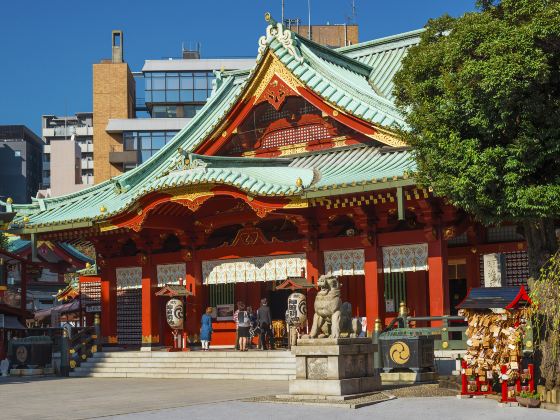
<point x="206" y="329"/>
<point x="264" y="322"/>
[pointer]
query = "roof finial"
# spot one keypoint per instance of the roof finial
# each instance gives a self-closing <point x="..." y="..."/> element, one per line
<point x="275" y="30"/>
<point x="268" y="18"/>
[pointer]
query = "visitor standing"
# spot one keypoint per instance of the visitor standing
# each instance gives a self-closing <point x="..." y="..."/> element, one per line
<point x="264" y="322"/>
<point x="242" y="322"/>
<point x="206" y="329"/>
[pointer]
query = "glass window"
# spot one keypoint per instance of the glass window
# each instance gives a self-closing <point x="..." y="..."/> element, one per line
<point x="186" y="82"/>
<point x="200" y="95"/>
<point x="130" y="144"/>
<point x="172" y="83"/>
<point x="148" y="83"/>
<point x="159" y="112"/>
<point x="158" y="84"/>
<point x="189" y="111"/>
<point x="173" y="96"/>
<point x="186" y="95"/>
<point x="158" y="142"/>
<point x="148" y="96"/>
<point x="200" y="82"/>
<point x="158" y="96"/>
<point x="145" y="155"/>
<point x="146" y="143"/>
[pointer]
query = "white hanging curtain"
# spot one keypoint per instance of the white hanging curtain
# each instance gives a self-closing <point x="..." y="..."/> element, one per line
<point x="170" y="273"/>
<point x="129" y="277"/>
<point x="345" y="262"/>
<point x="253" y="269"/>
<point x="398" y="259"/>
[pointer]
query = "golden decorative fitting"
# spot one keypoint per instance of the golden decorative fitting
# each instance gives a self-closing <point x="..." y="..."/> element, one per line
<point x="65" y="332"/>
<point x="299" y="182"/>
<point x="378" y="326"/>
<point x="444" y="345"/>
<point x="267" y="17"/>
<point x="72" y="351"/>
<point x="529" y="344"/>
<point x="102" y="209"/>
<point x="72" y="364"/>
<point x="335" y="113"/>
<point x="224" y="133"/>
<point x="96" y="319"/>
<point x="403" y="311"/>
<point x="84" y="357"/>
<point x="139" y="212"/>
<point x="88" y="265"/>
<point x="9" y="200"/>
<point x="473" y="250"/>
<point x="25" y="219"/>
<point x="94" y="348"/>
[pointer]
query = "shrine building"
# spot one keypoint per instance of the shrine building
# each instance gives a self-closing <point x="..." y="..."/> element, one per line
<point x="291" y="170"/>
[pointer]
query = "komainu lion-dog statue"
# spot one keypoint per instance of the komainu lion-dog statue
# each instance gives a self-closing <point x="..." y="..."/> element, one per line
<point x="332" y="318"/>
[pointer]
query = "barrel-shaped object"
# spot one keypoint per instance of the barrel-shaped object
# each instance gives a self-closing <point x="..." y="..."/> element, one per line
<point x="175" y="313"/>
<point x="297" y="309"/>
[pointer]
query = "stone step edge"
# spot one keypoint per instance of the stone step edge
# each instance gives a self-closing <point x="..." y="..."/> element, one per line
<point x="283" y="377"/>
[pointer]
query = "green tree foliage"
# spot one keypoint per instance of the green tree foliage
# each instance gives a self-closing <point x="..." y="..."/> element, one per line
<point x="482" y="99"/>
<point x="545" y="295"/>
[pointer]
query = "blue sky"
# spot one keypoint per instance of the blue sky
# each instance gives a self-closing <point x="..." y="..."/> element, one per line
<point x="47" y="48"/>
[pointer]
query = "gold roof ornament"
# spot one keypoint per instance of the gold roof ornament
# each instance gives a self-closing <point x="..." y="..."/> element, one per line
<point x="88" y="265"/>
<point x="102" y="209"/>
<point x="25" y="219"/>
<point x="9" y="200"/>
<point x="299" y="182"/>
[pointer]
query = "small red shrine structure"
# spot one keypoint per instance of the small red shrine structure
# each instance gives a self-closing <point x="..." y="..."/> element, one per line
<point x="293" y="166"/>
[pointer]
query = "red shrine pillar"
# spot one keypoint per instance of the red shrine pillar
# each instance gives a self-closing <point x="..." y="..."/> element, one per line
<point x="109" y="305"/>
<point x="314" y="266"/>
<point x="195" y="303"/>
<point x="313" y="270"/>
<point x="374" y="286"/>
<point x="438" y="280"/>
<point x="150" y="324"/>
<point x="23" y="301"/>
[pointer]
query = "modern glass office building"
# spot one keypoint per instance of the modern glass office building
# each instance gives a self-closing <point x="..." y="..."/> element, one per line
<point x="168" y="94"/>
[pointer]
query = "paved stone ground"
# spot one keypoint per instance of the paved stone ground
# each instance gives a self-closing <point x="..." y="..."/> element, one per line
<point x="82" y="398"/>
<point x="412" y="408"/>
<point x="155" y="399"/>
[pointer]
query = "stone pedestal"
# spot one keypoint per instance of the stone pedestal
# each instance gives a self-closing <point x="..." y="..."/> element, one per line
<point x="334" y="366"/>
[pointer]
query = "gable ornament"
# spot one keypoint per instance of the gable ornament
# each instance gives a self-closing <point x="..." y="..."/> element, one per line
<point x="283" y="35"/>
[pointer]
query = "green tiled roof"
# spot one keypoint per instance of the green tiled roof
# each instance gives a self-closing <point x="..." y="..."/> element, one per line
<point x="384" y="56"/>
<point x="17" y="245"/>
<point x="335" y="76"/>
<point x="339" y="80"/>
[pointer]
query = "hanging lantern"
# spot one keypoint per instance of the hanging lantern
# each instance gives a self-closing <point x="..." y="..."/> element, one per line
<point x="297" y="309"/>
<point x="175" y="311"/>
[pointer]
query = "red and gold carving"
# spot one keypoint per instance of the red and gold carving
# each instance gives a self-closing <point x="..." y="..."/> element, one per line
<point x="276" y="93"/>
<point x="249" y="236"/>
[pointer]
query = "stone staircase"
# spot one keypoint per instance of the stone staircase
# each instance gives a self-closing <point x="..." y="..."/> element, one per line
<point x="226" y="364"/>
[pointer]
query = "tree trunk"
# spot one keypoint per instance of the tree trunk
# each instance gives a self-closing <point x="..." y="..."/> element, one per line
<point x="541" y="243"/>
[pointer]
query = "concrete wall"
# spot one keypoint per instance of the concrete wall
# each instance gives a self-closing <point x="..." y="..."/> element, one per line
<point x="66" y="168"/>
<point x="20" y="169"/>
